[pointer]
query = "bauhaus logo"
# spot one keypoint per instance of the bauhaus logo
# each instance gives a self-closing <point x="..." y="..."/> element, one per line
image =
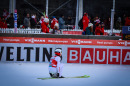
<point x="98" y="56"/>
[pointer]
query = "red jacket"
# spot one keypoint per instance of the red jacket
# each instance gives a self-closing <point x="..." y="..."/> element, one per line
<point x="98" y="30"/>
<point x="85" y="22"/>
<point x="45" y="29"/>
<point x="53" y="22"/>
<point x="102" y="30"/>
<point x="127" y="22"/>
<point x="3" y="24"/>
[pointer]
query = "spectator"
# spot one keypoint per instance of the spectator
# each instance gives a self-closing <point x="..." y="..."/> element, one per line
<point x="26" y="21"/>
<point x="53" y="22"/>
<point x="56" y="29"/>
<point x="69" y="21"/>
<point x="98" y="29"/>
<point x="89" y="18"/>
<point x="18" y="21"/>
<point x="96" y="19"/>
<point x="127" y="21"/>
<point x="85" y="21"/>
<point x="61" y="22"/>
<point x="123" y="19"/>
<point x="102" y="29"/>
<point x="107" y="23"/>
<point x="33" y="21"/>
<point x="3" y="23"/>
<point x="41" y="19"/>
<point x="89" y="29"/>
<point x="119" y="24"/>
<point x="44" y="25"/>
<point x="10" y="21"/>
<point x="80" y="24"/>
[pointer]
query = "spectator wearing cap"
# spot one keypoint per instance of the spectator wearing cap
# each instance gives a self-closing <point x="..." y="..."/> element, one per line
<point x="89" y="29"/>
<point x="85" y="21"/>
<point x="119" y="24"/>
<point x="44" y="25"/>
<point x="3" y="23"/>
<point x="127" y="21"/>
<point x="61" y="22"/>
<point x="53" y="22"/>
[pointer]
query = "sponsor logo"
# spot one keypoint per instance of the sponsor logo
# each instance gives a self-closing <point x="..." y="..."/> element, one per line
<point x="100" y="56"/>
<point x="79" y="42"/>
<point x="121" y="42"/>
<point x="98" y="42"/>
<point x="11" y="40"/>
<point x="124" y="43"/>
<point x="56" y="41"/>
<point x="32" y="40"/>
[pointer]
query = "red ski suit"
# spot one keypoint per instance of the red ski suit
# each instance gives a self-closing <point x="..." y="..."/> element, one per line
<point x="85" y="22"/>
<point x="98" y="30"/>
<point x="127" y="22"/>
<point x="53" y="22"/>
<point x="3" y="24"/>
<point x="45" y="29"/>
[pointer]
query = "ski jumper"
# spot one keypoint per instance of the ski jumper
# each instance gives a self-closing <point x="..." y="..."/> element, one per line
<point x="55" y="66"/>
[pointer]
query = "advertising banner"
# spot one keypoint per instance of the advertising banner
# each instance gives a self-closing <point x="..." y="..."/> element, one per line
<point x="24" y="49"/>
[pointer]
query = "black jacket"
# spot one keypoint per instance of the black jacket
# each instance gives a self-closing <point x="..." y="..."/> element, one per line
<point x="33" y="23"/>
<point x="10" y="21"/>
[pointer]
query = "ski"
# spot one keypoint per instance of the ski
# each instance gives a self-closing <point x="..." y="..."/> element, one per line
<point x="85" y="76"/>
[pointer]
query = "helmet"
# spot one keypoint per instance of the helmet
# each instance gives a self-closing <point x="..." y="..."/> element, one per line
<point x="58" y="52"/>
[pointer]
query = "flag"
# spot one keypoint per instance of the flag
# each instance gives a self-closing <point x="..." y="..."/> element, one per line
<point x="5" y="14"/>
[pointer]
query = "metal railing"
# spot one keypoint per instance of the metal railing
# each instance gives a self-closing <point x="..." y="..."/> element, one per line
<point x="19" y="30"/>
<point x="64" y="31"/>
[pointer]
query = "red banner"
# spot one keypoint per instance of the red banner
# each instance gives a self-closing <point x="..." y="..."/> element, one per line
<point x="64" y="41"/>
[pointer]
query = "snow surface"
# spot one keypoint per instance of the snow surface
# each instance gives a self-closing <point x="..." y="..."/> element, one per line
<point x="26" y="74"/>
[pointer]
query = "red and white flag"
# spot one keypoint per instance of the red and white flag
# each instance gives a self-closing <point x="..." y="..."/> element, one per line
<point x="5" y="14"/>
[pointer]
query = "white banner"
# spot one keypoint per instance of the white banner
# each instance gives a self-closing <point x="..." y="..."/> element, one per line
<point x="20" y="52"/>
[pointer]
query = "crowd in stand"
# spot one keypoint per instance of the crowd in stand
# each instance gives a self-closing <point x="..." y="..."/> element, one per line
<point x="96" y="26"/>
<point x="90" y="26"/>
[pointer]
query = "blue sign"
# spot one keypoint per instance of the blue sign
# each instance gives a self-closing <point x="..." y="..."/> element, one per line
<point x="125" y="29"/>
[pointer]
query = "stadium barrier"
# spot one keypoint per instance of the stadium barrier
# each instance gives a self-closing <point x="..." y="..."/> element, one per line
<point x="85" y="51"/>
<point x="64" y="31"/>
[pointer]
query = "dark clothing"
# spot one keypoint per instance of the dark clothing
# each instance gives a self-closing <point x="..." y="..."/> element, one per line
<point x="118" y="25"/>
<point x="107" y="24"/>
<point x="69" y="22"/>
<point x="10" y="21"/>
<point x="18" y="22"/>
<point x="94" y="26"/>
<point x="26" y="22"/>
<point x="80" y="24"/>
<point x="33" y="23"/>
